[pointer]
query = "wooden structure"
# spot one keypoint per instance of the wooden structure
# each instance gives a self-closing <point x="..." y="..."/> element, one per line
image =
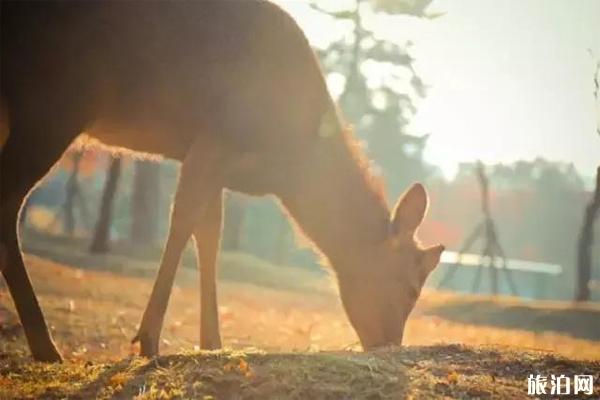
<point x="492" y="255"/>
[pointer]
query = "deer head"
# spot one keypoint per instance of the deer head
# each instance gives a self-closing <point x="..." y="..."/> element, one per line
<point x="382" y="281"/>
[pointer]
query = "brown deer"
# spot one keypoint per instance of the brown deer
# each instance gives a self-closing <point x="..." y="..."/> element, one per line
<point x="232" y="90"/>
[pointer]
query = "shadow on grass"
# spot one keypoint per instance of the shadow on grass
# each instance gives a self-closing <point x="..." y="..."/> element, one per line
<point x="576" y="322"/>
<point x="112" y="377"/>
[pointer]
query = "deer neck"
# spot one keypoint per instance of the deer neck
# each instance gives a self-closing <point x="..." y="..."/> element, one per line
<point x="334" y="199"/>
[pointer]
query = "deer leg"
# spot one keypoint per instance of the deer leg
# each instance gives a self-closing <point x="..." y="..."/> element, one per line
<point x="24" y="161"/>
<point x="207" y="235"/>
<point x="198" y="186"/>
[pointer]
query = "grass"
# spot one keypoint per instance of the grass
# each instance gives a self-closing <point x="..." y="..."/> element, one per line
<point x="449" y="371"/>
<point x="294" y="317"/>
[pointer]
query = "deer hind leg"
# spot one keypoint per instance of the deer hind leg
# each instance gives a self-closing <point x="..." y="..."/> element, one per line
<point x="197" y="188"/>
<point x="24" y="161"/>
<point x="207" y="235"/>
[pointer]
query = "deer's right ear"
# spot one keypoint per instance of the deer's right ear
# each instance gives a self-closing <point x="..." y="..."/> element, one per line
<point x="431" y="258"/>
<point x="409" y="211"/>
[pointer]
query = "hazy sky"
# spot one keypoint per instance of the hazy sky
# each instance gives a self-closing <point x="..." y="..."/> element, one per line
<point x="510" y="79"/>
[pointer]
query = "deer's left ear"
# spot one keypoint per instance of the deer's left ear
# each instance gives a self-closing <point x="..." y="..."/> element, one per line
<point x="409" y="211"/>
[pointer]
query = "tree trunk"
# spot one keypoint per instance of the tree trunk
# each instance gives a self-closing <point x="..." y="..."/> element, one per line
<point x="145" y="203"/>
<point x="281" y="246"/>
<point x="72" y="191"/>
<point x="102" y="233"/>
<point x="235" y="208"/>
<point x="584" y="246"/>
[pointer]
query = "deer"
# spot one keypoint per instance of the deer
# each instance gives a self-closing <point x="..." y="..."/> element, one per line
<point x="232" y="90"/>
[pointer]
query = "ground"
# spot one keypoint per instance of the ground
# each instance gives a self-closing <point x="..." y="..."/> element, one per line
<point x="285" y="335"/>
<point x="448" y="371"/>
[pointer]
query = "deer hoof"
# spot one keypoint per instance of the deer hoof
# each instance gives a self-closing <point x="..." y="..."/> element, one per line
<point x="213" y="344"/>
<point x="48" y="354"/>
<point x="148" y="344"/>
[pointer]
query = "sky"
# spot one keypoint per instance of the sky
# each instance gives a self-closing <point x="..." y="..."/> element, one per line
<point x="509" y="79"/>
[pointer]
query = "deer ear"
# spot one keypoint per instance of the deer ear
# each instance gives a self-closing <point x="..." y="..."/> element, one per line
<point x="431" y="258"/>
<point x="409" y="211"/>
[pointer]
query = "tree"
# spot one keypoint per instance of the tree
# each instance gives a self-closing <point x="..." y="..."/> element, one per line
<point x="281" y="247"/>
<point x="493" y="252"/>
<point x="145" y="202"/>
<point x="77" y="161"/>
<point x="71" y="192"/>
<point x="235" y="211"/>
<point x="380" y="110"/>
<point x="75" y="194"/>
<point x="584" y="244"/>
<point x="102" y="231"/>
<point x="586" y="235"/>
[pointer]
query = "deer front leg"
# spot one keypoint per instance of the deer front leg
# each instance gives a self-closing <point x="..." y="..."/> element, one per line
<point x="198" y="186"/>
<point x="207" y="236"/>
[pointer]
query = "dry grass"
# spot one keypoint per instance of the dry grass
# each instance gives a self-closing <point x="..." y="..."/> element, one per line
<point x="449" y="371"/>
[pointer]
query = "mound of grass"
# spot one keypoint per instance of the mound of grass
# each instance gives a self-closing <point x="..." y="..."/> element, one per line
<point x="414" y="372"/>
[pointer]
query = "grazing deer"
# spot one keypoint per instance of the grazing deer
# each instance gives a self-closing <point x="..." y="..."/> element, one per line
<point x="233" y="91"/>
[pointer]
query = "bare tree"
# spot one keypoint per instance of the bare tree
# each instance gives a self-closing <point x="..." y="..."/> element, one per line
<point x="101" y="235"/>
<point x="493" y="253"/>
<point x="584" y="244"/>
<point x="235" y="206"/>
<point x="586" y="235"/>
<point x="74" y="194"/>
<point x="145" y="202"/>
<point x="73" y="198"/>
<point x="281" y="248"/>
<point x="597" y="93"/>
<point x="72" y="190"/>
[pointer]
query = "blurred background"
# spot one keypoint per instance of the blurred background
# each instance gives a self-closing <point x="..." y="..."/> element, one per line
<point x="494" y="106"/>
